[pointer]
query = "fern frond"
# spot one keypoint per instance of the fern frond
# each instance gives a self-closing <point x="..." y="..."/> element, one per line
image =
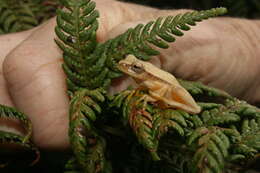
<point x="148" y="123"/>
<point x="243" y="109"/>
<point x="18" y="16"/>
<point x="11" y="113"/>
<point x="212" y="150"/>
<point x="197" y="89"/>
<point x="140" y="120"/>
<point x="219" y="115"/>
<point x="7" y="16"/>
<point x="87" y="145"/>
<point x="76" y="29"/>
<point x="118" y="99"/>
<point x="136" y="115"/>
<point x="165" y="120"/>
<point x="249" y="144"/>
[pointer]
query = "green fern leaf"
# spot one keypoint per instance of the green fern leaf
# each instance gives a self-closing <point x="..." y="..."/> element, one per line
<point x="218" y="116"/>
<point x="138" y="118"/>
<point x="87" y="145"/>
<point x="198" y="89"/>
<point x="243" y="109"/>
<point x="249" y="143"/>
<point x="76" y="30"/>
<point x="19" y="15"/>
<point x="118" y="100"/>
<point x="166" y="120"/>
<point x="212" y="149"/>
<point x="12" y="113"/>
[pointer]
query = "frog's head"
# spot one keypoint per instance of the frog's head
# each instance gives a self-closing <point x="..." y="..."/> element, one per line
<point x="132" y="66"/>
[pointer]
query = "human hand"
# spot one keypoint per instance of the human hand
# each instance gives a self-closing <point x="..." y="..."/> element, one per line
<point x="36" y="82"/>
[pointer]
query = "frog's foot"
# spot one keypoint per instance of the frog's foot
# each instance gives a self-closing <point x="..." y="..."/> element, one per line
<point x="145" y="98"/>
<point x="130" y="95"/>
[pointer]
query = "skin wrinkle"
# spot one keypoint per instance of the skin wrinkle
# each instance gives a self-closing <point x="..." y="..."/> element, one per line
<point x="211" y="66"/>
<point x="227" y="73"/>
<point x="132" y="12"/>
<point x="218" y="74"/>
<point x="62" y="116"/>
<point x="20" y="52"/>
<point x="227" y="28"/>
<point x="5" y="98"/>
<point x="50" y="107"/>
<point x="10" y="41"/>
<point x="128" y="14"/>
<point x="58" y="61"/>
<point x="247" y="80"/>
<point x="250" y="52"/>
<point x="188" y="61"/>
<point x="252" y="81"/>
<point x="218" y="46"/>
<point x="254" y="28"/>
<point x="243" y="37"/>
<point x="174" y="70"/>
<point x="103" y="29"/>
<point x="33" y="76"/>
<point x="235" y="78"/>
<point x="39" y="89"/>
<point x="36" y="108"/>
<point x="26" y="50"/>
<point x="255" y="93"/>
<point x="53" y="124"/>
<point x="244" y="34"/>
<point x="184" y="49"/>
<point x="125" y="14"/>
<point x="108" y="25"/>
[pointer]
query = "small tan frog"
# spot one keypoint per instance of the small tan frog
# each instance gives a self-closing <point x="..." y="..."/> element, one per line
<point x="161" y="85"/>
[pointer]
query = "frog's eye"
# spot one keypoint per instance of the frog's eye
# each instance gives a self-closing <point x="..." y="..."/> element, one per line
<point x="137" y="68"/>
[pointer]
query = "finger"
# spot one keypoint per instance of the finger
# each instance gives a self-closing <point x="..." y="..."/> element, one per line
<point x="8" y="42"/>
<point x="190" y="57"/>
<point x="203" y="55"/>
<point x="114" y="13"/>
<point x="36" y="83"/>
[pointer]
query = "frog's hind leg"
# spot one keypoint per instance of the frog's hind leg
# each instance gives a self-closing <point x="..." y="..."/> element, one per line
<point x="159" y="94"/>
<point x="145" y="98"/>
<point x="150" y="97"/>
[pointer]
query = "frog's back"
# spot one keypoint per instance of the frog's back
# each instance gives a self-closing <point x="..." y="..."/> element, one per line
<point x="153" y="72"/>
<point x="161" y="75"/>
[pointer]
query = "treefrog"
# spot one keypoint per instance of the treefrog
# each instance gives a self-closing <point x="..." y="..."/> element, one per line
<point x="161" y="85"/>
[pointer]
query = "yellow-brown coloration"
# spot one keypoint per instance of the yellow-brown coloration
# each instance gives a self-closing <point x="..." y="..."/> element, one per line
<point x="162" y="86"/>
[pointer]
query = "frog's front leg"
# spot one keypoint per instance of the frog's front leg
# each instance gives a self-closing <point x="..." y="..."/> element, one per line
<point x="156" y="93"/>
<point x="157" y="90"/>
